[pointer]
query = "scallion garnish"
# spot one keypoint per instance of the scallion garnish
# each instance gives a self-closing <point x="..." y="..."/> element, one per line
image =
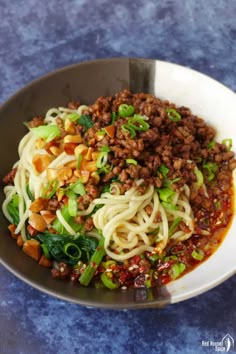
<point x="125" y="110"/>
<point x="79" y="160"/>
<point x="163" y="170"/>
<point x="174" y="225"/>
<point x="102" y="159"/>
<point x="114" y="117"/>
<point x="198" y="254"/>
<point x="73" y="117"/>
<point x="176" y="270"/>
<point x="105" y="149"/>
<point x="108" y="282"/>
<point x="211" y="168"/>
<point x="72" y="250"/>
<point x="211" y="144"/>
<point x="165" y="194"/>
<point x="199" y="175"/>
<point x="50" y="189"/>
<point x="138" y="123"/>
<point x="126" y="128"/>
<point x="47" y="132"/>
<point x="131" y="162"/>
<point x="228" y="143"/>
<point x="169" y="206"/>
<point x="173" y="114"/>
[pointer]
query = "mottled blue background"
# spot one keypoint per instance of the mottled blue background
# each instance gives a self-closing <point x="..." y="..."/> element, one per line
<point x="37" y="37"/>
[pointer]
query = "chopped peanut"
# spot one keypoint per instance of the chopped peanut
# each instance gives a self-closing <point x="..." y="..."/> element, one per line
<point x="48" y="216"/>
<point x="41" y="162"/>
<point x="81" y="149"/>
<point x="73" y="139"/>
<point x="69" y="126"/>
<point x="19" y="241"/>
<point x="38" y="204"/>
<point x="45" y="262"/>
<point x="88" y="166"/>
<point x="62" y="174"/>
<point x="95" y="155"/>
<point x="95" y="177"/>
<point x="37" y="222"/>
<point x="12" y="228"/>
<point x="55" y="150"/>
<point x="40" y="143"/>
<point x="69" y="148"/>
<point x="88" y="155"/>
<point x="32" y="249"/>
<point x="71" y="164"/>
<point x="110" y="130"/>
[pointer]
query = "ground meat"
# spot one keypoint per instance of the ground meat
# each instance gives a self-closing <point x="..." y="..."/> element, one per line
<point x="36" y="122"/>
<point x="9" y="178"/>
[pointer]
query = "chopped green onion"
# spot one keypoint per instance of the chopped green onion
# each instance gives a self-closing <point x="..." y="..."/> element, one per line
<point x="105" y="149"/>
<point x="174" y="225"/>
<point x="47" y="132"/>
<point x="105" y="169"/>
<point x="148" y="283"/>
<point x="77" y="188"/>
<point x="95" y="260"/>
<point x="153" y="258"/>
<point x="169" y="182"/>
<point x="169" y="206"/>
<point x="211" y="145"/>
<point x="199" y="175"/>
<point x="165" y="194"/>
<point x="114" y="117"/>
<point x="173" y="114"/>
<point x="138" y="123"/>
<point x="125" y="110"/>
<point x="131" y="161"/>
<point x="72" y="203"/>
<point x="177" y="269"/>
<point x="108" y="282"/>
<point x="102" y="159"/>
<point x="109" y="263"/>
<point x="163" y="170"/>
<point x="72" y="250"/>
<point x="211" y="168"/>
<point x="198" y="255"/>
<point x="86" y="121"/>
<point x="79" y="160"/>
<point x="101" y="132"/>
<point x="126" y="128"/>
<point x="228" y="143"/>
<point x="50" y="189"/>
<point x="73" y="117"/>
<point x="45" y="250"/>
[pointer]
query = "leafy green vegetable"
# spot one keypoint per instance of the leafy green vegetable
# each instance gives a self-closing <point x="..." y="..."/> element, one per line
<point x="63" y="248"/>
<point x="70" y="219"/>
<point x="86" y="121"/>
<point x="47" y="132"/>
<point x="50" y="189"/>
<point x="13" y="210"/>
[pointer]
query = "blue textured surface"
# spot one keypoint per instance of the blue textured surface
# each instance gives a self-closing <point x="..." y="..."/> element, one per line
<point x="39" y="36"/>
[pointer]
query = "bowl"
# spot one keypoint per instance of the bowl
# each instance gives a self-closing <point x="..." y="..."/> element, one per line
<point x="87" y="81"/>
